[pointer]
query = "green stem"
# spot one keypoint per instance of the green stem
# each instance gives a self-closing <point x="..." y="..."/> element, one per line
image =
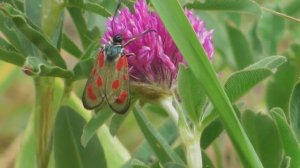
<point x="280" y="14"/>
<point x="166" y="103"/>
<point x="43" y="118"/>
<point x="190" y="139"/>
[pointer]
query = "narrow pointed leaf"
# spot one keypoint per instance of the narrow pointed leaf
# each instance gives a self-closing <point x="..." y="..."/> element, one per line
<point x="158" y="144"/>
<point x="33" y="34"/>
<point x="245" y="6"/>
<point x="288" y="138"/>
<point x="68" y="151"/>
<point x="188" y="43"/>
<point x="90" y="129"/>
<point x="295" y="110"/>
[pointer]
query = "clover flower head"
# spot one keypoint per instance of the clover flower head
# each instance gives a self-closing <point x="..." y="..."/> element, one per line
<point x="156" y="58"/>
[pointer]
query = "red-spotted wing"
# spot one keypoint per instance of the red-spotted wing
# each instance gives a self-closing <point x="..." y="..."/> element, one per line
<point x="117" y="84"/>
<point x="94" y="93"/>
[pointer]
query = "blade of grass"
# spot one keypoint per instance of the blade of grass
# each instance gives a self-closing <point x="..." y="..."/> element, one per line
<point x="187" y="42"/>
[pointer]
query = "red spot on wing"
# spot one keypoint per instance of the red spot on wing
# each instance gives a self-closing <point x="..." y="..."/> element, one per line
<point x="100" y="59"/>
<point x="124" y="77"/>
<point x="120" y="63"/>
<point x="122" y="97"/>
<point x="90" y="92"/>
<point x="94" y="71"/>
<point x="99" y="81"/>
<point x="115" y="84"/>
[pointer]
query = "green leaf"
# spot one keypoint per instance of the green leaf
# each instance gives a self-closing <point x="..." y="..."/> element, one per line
<point x="83" y="68"/>
<point x="188" y="44"/>
<point x="270" y="62"/>
<point x="261" y="129"/>
<point x="158" y="144"/>
<point x="116" y="123"/>
<point x="34" y="66"/>
<point x="167" y="130"/>
<point x="68" y="151"/>
<point x="33" y="34"/>
<point x="173" y="165"/>
<point x="279" y="89"/>
<point x="89" y="130"/>
<point x="287" y="136"/>
<point x="86" y="35"/>
<point x="270" y="29"/>
<point x="70" y="46"/>
<point x="237" y="85"/>
<point x="245" y="6"/>
<point x="89" y="6"/>
<point x="9" y="54"/>
<point x="33" y="10"/>
<point x="210" y="133"/>
<point x="240" y="47"/>
<point x="138" y="164"/>
<point x="295" y="110"/>
<point x="192" y="95"/>
<point x="16" y="38"/>
<point x="242" y="81"/>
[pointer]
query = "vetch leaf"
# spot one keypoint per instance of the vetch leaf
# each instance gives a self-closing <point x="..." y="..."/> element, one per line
<point x="158" y="144"/>
<point x="184" y="36"/>
<point x="240" y="47"/>
<point x="33" y="34"/>
<point x="68" y="151"/>
<point x="192" y="96"/>
<point x="70" y="46"/>
<point x="83" y="68"/>
<point x="279" y="89"/>
<point x="9" y="54"/>
<point x="270" y="62"/>
<point x="16" y="38"/>
<point x="89" y="6"/>
<point x="261" y="128"/>
<point x="244" y="6"/>
<point x="288" y="138"/>
<point x="35" y="66"/>
<point x="86" y="35"/>
<point x="295" y="110"/>
<point x="242" y="81"/>
<point x="237" y="85"/>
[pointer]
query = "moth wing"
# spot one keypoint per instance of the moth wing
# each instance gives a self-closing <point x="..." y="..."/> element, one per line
<point x="117" y="85"/>
<point x="93" y="94"/>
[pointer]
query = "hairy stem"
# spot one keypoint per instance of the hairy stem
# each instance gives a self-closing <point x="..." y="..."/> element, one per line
<point x="190" y="138"/>
<point x="166" y="103"/>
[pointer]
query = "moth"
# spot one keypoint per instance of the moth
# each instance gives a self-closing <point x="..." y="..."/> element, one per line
<point x="109" y="78"/>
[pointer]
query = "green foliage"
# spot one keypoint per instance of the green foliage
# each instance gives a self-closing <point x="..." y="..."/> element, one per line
<point x="208" y="97"/>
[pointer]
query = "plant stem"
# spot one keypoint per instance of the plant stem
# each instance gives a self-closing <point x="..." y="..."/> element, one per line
<point x="280" y="14"/>
<point x="43" y="118"/>
<point x="193" y="152"/>
<point x="190" y="139"/>
<point x="166" y="103"/>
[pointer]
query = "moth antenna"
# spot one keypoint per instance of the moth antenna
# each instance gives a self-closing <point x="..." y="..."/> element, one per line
<point x="115" y="14"/>
<point x="138" y="36"/>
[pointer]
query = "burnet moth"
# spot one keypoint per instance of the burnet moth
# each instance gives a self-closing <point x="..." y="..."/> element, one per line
<point x="109" y="78"/>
